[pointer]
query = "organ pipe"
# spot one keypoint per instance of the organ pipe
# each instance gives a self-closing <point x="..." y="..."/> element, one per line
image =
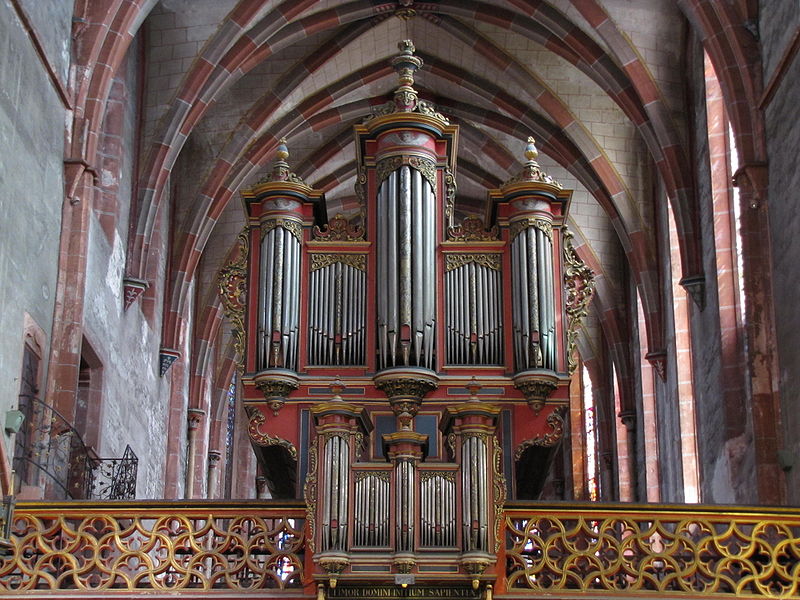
<point x="406" y="272"/>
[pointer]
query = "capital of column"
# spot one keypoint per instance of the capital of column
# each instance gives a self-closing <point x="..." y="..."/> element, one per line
<point x="194" y="417"/>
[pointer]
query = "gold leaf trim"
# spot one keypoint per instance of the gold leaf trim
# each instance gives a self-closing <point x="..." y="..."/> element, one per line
<point x="456" y="261"/>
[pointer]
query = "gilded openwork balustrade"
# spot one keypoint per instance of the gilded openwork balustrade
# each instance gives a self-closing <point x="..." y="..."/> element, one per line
<point x="210" y="549"/>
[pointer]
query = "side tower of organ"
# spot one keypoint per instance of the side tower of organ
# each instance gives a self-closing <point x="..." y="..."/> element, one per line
<point x="404" y="371"/>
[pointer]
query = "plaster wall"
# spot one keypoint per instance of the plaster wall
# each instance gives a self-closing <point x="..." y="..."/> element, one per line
<point x="31" y="177"/>
<point x="778" y="20"/>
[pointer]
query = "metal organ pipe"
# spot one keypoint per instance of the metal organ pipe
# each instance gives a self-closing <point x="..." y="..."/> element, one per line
<point x="279" y="312"/>
<point x="406" y="270"/>
<point x="533" y="298"/>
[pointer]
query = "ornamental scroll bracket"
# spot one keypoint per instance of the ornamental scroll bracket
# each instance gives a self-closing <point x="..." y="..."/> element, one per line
<point x="555" y="421"/>
<point x="232" y="285"/>
<point x="256" y="420"/>
<point x="579" y="284"/>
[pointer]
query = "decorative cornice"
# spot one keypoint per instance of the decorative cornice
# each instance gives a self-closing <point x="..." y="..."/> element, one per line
<point x="579" y="284"/>
<point x="232" y="286"/>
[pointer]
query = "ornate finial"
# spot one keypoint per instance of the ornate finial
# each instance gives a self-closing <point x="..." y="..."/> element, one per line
<point x="282" y="153"/>
<point x="406" y="64"/>
<point x="280" y="168"/>
<point x="530" y="149"/>
<point x="531" y="171"/>
<point x="473" y="387"/>
<point x="336" y="387"/>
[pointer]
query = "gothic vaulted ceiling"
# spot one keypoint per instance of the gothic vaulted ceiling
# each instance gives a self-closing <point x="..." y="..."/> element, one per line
<point x="597" y="83"/>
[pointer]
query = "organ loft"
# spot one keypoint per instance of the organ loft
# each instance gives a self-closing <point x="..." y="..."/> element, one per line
<point x="406" y="368"/>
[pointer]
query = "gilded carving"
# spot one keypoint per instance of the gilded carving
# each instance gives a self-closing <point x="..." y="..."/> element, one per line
<point x="536" y="391"/>
<point x="531" y="171"/>
<point x="232" y="285"/>
<point x="276" y="391"/>
<point x="449" y="195"/>
<point x="406" y="387"/>
<point x="426" y="167"/>
<point x="542" y="224"/>
<point x="291" y="225"/>
<point x="579" y="287"/>
<point x="499" y="484"/>
<point x="386" y="167"/>
<point x="310" y="492"/>
<point x="429" y="475"/>
<point x="472" y="229"/>
<point x="320" y="261"/>
<point x="556" y="424"/>
<point x="339" y="229"/>
<point x="456" y="261"/>
<point x="256" y="420"/>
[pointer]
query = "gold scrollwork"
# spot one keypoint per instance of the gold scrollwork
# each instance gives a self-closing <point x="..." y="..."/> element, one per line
<point x="321" y="260"/>
<point x="429" y="475"/>
<point x="456" y="261"/>
<point x="449" y="195"/>
<point x="426" y="167"/>
<point x="339" y="229"/>
<point x="111" y="549"/>
<point x="556" y="424"/>
<point x="543" y="225"/>
<point x="386" y="167"/>
<point x="379" y="475"/>
<point x="291" y="225"/>
<point x="499" y="484"/>
<point x="654" y="552"/>
<point x="579" y="286"/>
<point x="310" y="492"/>
<point x="258" y="437"/>
<point x="472" y="229"/>
<point x="232" y="286"/>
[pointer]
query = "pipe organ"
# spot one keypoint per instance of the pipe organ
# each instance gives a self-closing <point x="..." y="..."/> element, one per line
<point x="404" y="366"/>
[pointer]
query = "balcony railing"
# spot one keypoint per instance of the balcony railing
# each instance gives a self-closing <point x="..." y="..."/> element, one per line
<point x="49" y="453"/>
<point x="651" y="550"/>
<point x="161" y="547"/>
<point x="215" y="549"/>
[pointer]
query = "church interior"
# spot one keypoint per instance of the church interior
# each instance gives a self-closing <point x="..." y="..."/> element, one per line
<point x="397" y="298"/>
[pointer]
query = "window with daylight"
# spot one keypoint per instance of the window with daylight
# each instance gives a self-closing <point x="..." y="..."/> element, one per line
<point x="590" y="430"/>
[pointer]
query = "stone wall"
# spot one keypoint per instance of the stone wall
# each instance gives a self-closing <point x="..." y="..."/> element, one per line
<point x="778" y="21"/>
<point x="31" y="175"/>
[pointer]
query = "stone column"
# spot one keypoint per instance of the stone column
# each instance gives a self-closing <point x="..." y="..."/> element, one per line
<point x="195" y="418"/>
<point x="214" y="457"/>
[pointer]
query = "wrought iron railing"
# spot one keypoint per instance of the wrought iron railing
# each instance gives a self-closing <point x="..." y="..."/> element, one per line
<point x="101" y="548"/>
<point x="49" y="453"/>
<point x="647" y="550"/>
